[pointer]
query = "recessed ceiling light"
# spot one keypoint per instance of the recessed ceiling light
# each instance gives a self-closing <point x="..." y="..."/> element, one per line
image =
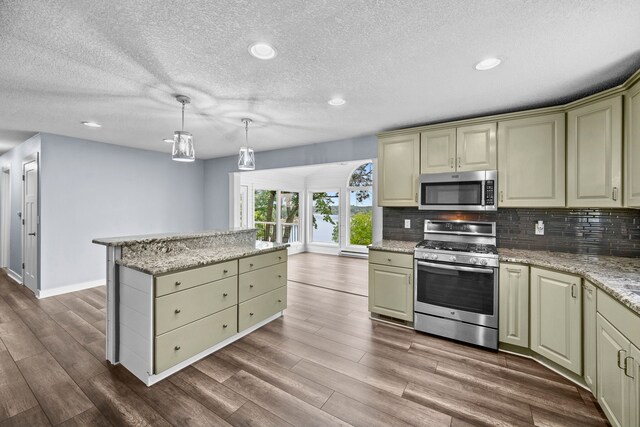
<point x="262" y="50"/>
<point x="92" y="124"/>
<point x="487" y="64"/>
<point x="169" y="140"/>
<point x="337" y="102"/>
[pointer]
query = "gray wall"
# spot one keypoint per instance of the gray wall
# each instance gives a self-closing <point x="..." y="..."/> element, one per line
<point x="90" y="189"/>
<point x="13" y="159"/>
<point x="216" y="171"/>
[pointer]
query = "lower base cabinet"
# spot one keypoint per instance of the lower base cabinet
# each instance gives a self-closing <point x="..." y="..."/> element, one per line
<point x="590" y="334"/>
<point x="391" y="287"/>
<point x="514" y="304"/>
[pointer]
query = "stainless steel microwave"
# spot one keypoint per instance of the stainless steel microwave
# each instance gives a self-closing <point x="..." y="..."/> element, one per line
<point x="461" y="191"/>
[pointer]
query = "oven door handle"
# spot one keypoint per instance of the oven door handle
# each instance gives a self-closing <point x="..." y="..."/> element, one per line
<point x="456" y="267"/>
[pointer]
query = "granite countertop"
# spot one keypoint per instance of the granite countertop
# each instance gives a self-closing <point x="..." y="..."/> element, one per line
<point x="156" y="264"/>
<point x="617" y="276"/>
<point x="405" y="247"/>
<point x="165" y="237"/>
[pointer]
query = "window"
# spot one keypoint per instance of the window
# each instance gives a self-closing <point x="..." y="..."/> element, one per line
<point x="289" y="217"/>
<point x="360" y="192"/>
<point x="325" y="217"/>
<point x="265" y="215"/>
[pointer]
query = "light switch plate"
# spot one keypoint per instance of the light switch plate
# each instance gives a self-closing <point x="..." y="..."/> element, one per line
<point x="407" y="223"/>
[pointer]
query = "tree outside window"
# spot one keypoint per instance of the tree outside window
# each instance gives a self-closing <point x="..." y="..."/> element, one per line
<point x="361" y="206"/>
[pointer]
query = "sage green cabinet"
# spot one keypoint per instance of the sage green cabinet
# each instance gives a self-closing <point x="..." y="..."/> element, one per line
<point x="618" y="361"/>
<point x="589" y="311"/>
<point x="514" y="304"/>
<point x="632" y="147"/>
<point x="391" y="290"/>
<point x="438" y="151"/>
<point x="531" y="162"/>
<point x="476" y="147"/>
<point x="398" y="170"/>
<point x="594" y="154"/>
<point x="556" y="317"/>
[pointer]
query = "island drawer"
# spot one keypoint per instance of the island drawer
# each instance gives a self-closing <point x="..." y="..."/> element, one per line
<point x="260" y="261"/>
<point x="182" y="280"/>
<point x="391" y="258"/>
<point x="182" y="343"/>
<point x="255" y="283"/>
<point x="257" y="309"/>
<point x="179" y="308"/>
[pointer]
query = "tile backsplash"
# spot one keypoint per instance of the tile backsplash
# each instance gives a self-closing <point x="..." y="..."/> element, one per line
<point x="585" y="231"/>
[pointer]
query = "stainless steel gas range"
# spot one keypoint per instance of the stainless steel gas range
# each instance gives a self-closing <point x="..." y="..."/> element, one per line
<point x="456" y="282"/>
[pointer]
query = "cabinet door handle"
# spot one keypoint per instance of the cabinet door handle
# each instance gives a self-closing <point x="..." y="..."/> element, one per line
<point x="224" y="325"/>
<point x="451" y="162"/>
<point x="225" y="294"/>
<point x="251" y="286"/>
<point x="176" y="348"/>
<point x="619" y="358"/>
<point x="573" y="290"/>
<point x="459" y="162"/>
<point x="626" y="364"/>
<point x="501" y="196"/>
<point x="416" y="197"/>
<point x="250" y="314"/>
<point x="177" y="311"/>
<point x="614" y="194"/>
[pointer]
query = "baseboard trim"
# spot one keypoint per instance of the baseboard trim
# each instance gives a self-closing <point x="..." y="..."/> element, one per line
<point x="14" y="276"/>
<point x="45" y="293"/>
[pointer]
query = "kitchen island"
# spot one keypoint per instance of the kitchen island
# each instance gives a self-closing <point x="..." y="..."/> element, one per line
<point x="172" y="299"/>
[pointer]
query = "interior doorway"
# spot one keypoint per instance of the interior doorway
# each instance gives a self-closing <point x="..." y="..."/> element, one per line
<point x="5" y="216"/>
<point x="30" y="221"/>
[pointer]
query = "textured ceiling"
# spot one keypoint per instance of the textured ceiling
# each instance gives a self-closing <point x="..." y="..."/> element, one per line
<point x="397" y="63"/>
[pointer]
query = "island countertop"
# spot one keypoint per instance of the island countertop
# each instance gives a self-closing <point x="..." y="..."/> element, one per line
<point x="162" y="263"/>
<point x="165" y="237"/>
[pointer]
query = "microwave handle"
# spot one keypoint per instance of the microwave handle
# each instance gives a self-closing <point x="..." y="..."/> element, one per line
<point x="483" y="193"/>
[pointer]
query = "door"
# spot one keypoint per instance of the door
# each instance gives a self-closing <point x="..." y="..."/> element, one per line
<point x="590" y="334"/>
<point x="594" y="155"/>
<point x="514" y="304"/>
<point x="399" y="168"/>
<point x="613" y="388"/>
<point x="531" y="162"/>
<point x="30" y="223"/>
<point x="476" y="147"/>
<point x="5" y="216"/>
<point x="556" y="318"/>
<point x="391" y="291"/>
<point x="632" y="146"/>
<point x="438" y="151"/>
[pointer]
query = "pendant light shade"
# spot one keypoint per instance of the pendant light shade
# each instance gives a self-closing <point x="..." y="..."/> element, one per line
<point x="183" y="141"/>
<point x="246" y="157"/>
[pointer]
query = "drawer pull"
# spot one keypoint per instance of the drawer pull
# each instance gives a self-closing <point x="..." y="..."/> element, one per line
<point x="225" y="294"/>
<point x="178" y="283"/>
<point x="224" y="325"/>
<point x="250" y="265"/>
<point x="626" y="365"/>
<point x="279" y="257"/>
<point x="225" y="271"/>
<point x="251" y="286"/>
<point x="279" y="276"/>
<point x="389" y="259"/>
<point x="177" y="311"/>
<point x="176" y="348"/>
<point x="279" y="300"/>
<point x="250" y="314"/>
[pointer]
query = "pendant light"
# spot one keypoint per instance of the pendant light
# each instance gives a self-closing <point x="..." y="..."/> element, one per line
<point x="183" y="141"/>
<point x="246" y="157"/>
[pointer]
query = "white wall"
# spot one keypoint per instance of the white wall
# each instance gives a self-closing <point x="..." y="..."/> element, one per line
<point x="216" y="171"/>
<point x="90" y="189"/>
<point x="13" y="159"/>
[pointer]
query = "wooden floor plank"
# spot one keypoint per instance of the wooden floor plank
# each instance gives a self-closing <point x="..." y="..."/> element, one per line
<point x="252" y="415"/>
<point x="91" y="417"/>
<point x="39" y="322"/>
<point x="339" y="273"/>
<point x="80" y="307"/>
<point x="209" y="392"/>
<point x="406" y="410"/>
<point x="282" y="404"/>
<point x="358" y="414"/>
<point x="548" y="418"/>
<point x="78" y="327"/>
<point x="73" y="357"/>
<point x="33" y="417"/>
<point x="19" y="340"/>
<point x="15" y="395"/>
<point x="216" y="368"/>
<point x="292" y="383"/>
<point x="6" y="312"/>
<point x="18" y="301"/>
<point x="254" y="345"/>
<point x="58" y="395"/>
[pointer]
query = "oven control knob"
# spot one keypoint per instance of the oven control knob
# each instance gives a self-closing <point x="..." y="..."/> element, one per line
<point x="433" y="256"/>
<point x="483" y="261"/>
<point x="452" y="258"/>
<point x="473" y="260"/>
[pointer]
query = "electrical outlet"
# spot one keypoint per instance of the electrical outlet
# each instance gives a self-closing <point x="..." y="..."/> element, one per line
<point x="407" y="223"/>
<point x="539" y="228"/>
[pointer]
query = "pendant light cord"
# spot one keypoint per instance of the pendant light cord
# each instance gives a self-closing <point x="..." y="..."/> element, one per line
<point x="246" y="132"/>
<point x="182" y="116"/>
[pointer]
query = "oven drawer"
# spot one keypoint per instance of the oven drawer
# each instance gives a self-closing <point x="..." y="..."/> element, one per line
<point x="391" y="291"/>
<point x="394" y="259"/>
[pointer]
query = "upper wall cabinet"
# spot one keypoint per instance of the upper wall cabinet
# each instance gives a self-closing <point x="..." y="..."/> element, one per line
<point x="438" y="151"/>
<point x="632" y="144"/>
<point x="398" y="170"/>
<point x="476" y="147"/>
<point x="531" y="162"/>
<point x="467" y="148"/>
<point x="594" y="154"/>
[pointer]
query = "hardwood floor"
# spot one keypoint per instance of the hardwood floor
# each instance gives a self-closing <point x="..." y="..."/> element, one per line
<point x="324" y="363"/>
<point x="341" y="273"/>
